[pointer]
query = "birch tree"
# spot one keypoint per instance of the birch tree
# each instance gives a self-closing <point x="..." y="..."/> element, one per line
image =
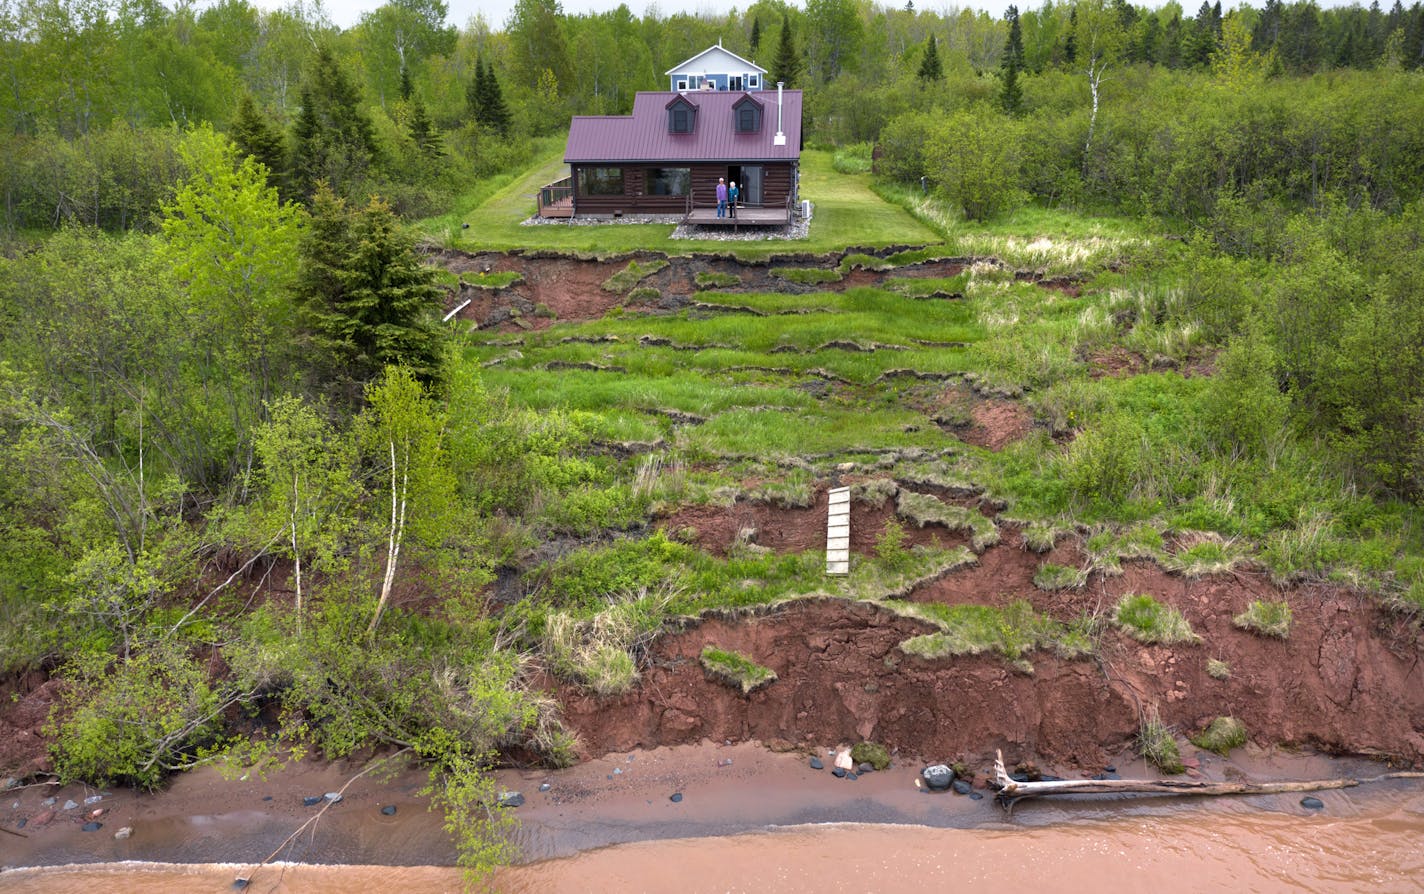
<point x="1098" y="37"/>
<point x="305" y="472"/>
<point x="403" y="431"/>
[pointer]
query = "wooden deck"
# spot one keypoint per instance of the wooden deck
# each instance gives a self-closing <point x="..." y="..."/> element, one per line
<point x="746" y="217"/>
<point x="561" y="208"/>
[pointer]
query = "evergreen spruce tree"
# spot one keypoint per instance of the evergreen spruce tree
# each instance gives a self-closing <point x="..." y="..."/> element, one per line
<point x="255" y="135"/>
<point x="406" y="89"/>
<point x="365" y="299"/>
<point x="333" y="140"/>
<point x="422" y="130"/>
<point x="787" y="66"/>
<point x="930" y="68"/>
<point x="755" y="41"/>
<point x="1070" y="43"/>
<point x="1011" y="92"/>
<point x="475" y="92"/>
<point x="496" y="112"/>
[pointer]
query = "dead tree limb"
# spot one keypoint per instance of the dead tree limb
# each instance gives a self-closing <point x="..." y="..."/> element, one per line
<point x="1012" y="791"/>
<point x="245" y="878"/>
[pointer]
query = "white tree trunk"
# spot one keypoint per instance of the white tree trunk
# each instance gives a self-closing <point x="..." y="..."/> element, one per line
<point x="397" y="531"/>
<point x="1095" y="80"/>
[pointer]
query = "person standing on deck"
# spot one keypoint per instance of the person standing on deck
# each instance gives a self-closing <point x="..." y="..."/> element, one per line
<point x="721" y="196"/>
<point x="732" y="194"/>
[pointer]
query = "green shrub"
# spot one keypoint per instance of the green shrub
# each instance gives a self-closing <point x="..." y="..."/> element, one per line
<point x="1156" y="743"/>
<point x="1224" y="734"/>
<point x="873" y="753"/>
<point x="736" y="669"/>
<point x="1266" y="618"/>
<point x="644" y="295"/>
<point x="1149" y="621"/>
<point x="852" y="159"/>
<point x="890" y="547"/>
<point x="135" y="721"/>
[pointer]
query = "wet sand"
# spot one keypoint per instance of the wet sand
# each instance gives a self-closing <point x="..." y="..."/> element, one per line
<point x="726" y="790"/>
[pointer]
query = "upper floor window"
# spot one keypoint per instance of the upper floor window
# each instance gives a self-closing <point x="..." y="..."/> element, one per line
<point x="748" y="117"/>
<point x="682" y="117"/>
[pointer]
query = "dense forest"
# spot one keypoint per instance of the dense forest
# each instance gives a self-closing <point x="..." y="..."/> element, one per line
<point x="221" y="359"/>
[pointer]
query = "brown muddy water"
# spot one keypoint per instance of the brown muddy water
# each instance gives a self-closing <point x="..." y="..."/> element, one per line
<point x="1376" y="851"/>
<point x="749" y="821"/>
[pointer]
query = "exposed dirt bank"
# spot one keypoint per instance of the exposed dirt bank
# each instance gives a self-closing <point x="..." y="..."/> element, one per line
<point x="555" y="288"/>
<point x="1347" y="680"/>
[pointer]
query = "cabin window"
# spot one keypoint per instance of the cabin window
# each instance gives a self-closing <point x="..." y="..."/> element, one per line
<point x="682" y="85"/>
<point x="734" y="82"/>
<point x="669" y="181"/>
<point x="753" y="81"/>
<point x="681" y="118"/>
<point x="601" y="182"/>
<point x="748" y="118"/>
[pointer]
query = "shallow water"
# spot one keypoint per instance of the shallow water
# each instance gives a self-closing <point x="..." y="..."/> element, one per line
<point x="1374" y="849"/>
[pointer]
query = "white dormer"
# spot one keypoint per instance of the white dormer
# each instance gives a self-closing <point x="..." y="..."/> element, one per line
<point x="717" y="68"/>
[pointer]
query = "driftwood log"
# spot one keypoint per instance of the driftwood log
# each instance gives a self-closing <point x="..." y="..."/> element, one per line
<point x="1012" y="791"/>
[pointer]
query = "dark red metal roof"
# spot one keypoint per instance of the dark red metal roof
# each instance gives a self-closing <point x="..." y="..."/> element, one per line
<point x="643" y="136"/>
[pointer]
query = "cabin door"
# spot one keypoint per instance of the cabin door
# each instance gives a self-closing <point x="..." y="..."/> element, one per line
<point x="751" y="184"/>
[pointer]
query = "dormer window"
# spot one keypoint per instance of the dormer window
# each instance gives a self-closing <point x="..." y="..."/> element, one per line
<point x="682" y="116"/>
<point x="746" y="115"/>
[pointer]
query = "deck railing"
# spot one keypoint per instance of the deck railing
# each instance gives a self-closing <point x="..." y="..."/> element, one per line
<point x="554" y="193"/>
<point x="693" y="204"/>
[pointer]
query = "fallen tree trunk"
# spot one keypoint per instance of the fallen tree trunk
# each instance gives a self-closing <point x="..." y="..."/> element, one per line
<point x="1011" y="791"/>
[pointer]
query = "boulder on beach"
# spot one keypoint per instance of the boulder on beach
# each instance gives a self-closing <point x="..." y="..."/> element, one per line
<point x="938" y="777"/>
<point x="510" y="799"/>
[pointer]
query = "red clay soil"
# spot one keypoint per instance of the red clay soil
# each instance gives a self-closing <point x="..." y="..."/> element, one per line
<point x="26" y="699"/>
<point x="997" y="423"/>
<point x="1119" y="363"/>
<point x="1347" y="680"/>
<point x="796" y="530"/>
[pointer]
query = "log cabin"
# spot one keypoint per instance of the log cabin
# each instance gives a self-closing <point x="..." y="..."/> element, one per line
<point x="667" y="156"/>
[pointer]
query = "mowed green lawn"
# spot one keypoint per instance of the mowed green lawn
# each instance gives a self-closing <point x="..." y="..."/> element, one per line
<point x="847" y="213"/>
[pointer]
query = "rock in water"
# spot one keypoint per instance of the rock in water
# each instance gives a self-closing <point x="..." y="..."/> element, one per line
<point x="311" y="800"/>
<point x="1310" y="803"/>
<point x="511" y="799"/>
<point x="388" y="810"/>
<point x="852" y="777"/>
<point x="962" y="787"/>
<point x="938" y="777"/>
<point x="676" y="798"/>
<point x="817" y="764"/>
<point x="92" y="827"/>
<point x="975" y="796"/>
